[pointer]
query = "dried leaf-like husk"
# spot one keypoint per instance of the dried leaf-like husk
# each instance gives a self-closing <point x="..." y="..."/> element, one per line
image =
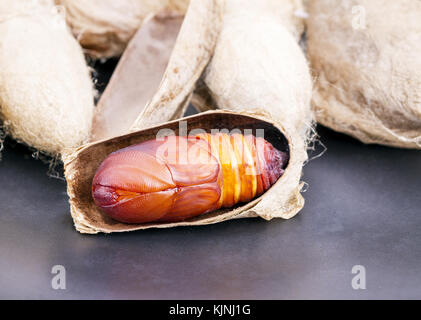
<point x="136" y="77"/>
<point x="283" y="199"/>
<point x="365" y="56"/>
<point x="46" y="93"/>
<point x="104" y="27"/>
<point x="192" y="52"/>
<point x="259" y="66"/>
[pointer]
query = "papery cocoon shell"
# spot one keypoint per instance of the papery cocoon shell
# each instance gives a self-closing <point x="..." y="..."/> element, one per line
<point x="81" y="165"/>
<point x="191" y="54"/>
<point x="259" y="66"/>
<point x="366" y="60"/>
<point x="156" y="75"/>
<point x="104" y="27"/>
<point x="46" y="94"/>
<point x="136" y="77"/>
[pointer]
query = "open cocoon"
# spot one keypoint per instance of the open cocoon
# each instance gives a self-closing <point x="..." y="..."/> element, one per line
<point x="82" y="164"/>
<point x="366" y="60"/>
<point x="46" y="94"/>
<point x="257" y="69"/>
<point x="104" y="27"/>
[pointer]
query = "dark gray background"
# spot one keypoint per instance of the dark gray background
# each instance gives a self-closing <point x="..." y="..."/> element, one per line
<point x="362" y="208"/>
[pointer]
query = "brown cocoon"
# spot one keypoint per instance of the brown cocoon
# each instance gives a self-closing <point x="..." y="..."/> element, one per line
<point x="104" y="27"/>
<point x="46" y="94"/>
<point x="259" y="66"/>
<point x="283" y="199"/>
<point x="365" y="56"/>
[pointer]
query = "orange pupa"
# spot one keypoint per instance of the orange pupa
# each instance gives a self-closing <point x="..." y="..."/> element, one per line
<point x="175" y="178"/>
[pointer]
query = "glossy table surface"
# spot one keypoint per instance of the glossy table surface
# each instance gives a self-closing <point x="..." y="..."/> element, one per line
<point x="363" y="207"/>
